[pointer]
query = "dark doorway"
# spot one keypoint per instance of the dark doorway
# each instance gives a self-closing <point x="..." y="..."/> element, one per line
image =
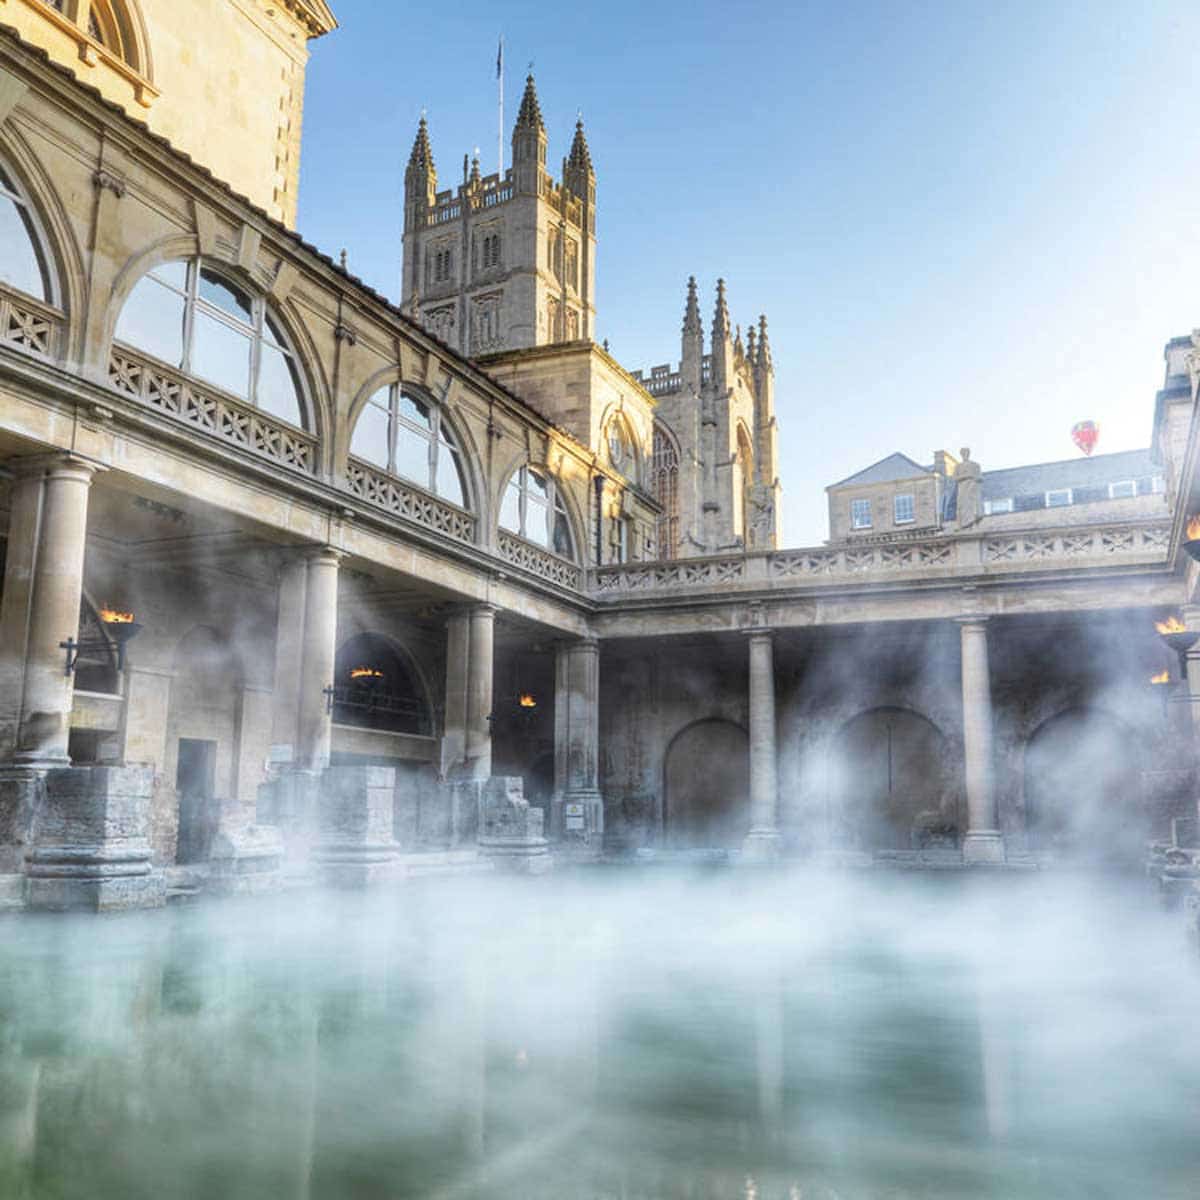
<point x="197" y="805"/>
<point x="708" y="786"/>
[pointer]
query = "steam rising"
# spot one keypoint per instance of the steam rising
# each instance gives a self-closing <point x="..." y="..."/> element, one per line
<point x="619" y="1034"/>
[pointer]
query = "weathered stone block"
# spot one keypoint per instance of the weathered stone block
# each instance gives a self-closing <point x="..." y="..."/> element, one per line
<point x="245" y="860"/>
<point x="355" y="846"/>
<point x="21" y="794"/>
<point x="91" y="847"/>
<point x="510" y="828"/>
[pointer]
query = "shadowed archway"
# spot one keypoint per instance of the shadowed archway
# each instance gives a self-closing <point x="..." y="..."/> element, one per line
<point x="707" y="786"/>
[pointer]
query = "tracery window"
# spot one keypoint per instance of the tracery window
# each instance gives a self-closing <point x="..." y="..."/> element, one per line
<point x="407" y="436"/>
<point x="489" y="251"/>
<point x="188" y="315"/>
<point x="664" y="482"/>
<point x="533" y="509"/>
<point x="23" y="263"/>
<point x="441" y="265"/>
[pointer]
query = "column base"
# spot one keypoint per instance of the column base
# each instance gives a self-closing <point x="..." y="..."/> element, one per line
<point x="761" y="845"/>
<point x="983" y="846"/>
<point x="97" y="895"/>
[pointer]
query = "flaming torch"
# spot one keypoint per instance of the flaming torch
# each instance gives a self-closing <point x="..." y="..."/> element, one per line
<point x="1180" y="639"/>
<point x="1191" y="542"/>
<point x="527" y="700"/>
<point x="120" y="629"/>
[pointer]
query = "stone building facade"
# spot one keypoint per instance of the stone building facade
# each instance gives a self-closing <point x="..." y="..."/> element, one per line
<point x="285" y="573"/>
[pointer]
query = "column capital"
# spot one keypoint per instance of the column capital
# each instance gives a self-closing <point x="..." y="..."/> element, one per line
<point x="973" y="620"/>
<point x="756" y="633"/>
<point x="55" y="463"/>
<point x="589" y="643"/>
<point x="329" y="554"/>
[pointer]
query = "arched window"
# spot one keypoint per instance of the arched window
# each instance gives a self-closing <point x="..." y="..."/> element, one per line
<point x="533" y="509"/>
<point x="23" y="263"/>
<point x="375" y="688"/>
<point x="664" y="482"/>
<point x="621" y="452"/>
<point x="109" y="23"/>
<point x="408" y="437"/>
<point x="189" y="315"/>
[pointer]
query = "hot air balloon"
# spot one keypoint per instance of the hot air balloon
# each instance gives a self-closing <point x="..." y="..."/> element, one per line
<point x="1085" y="434"/>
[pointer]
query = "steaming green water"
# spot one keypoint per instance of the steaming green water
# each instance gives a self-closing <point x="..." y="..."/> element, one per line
<point x="614" y="1035"/>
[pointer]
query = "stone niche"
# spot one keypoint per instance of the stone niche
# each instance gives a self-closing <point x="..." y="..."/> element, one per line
<point x="91" y="847"/>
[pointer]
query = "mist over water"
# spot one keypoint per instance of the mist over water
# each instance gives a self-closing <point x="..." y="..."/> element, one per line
<point x="615" y="1033"/>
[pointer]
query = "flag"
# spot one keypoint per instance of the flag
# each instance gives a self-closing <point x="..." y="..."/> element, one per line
<point x="500" y="57"/>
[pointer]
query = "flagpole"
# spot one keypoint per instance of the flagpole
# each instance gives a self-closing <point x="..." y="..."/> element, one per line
<point x="500" y="110"/>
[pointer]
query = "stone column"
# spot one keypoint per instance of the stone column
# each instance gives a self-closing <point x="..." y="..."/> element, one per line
<point x="763" y="840"/>
<point x="580" y="807"/>
<point x="48" y="691"/>
<point x="319" y="648"/>
<point x="289" y="661"/>
<point x="454" y="723"/>
<point x="479" y="692"/>
<point x="983" y="842"/>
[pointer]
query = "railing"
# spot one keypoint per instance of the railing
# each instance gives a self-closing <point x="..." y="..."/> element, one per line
<point x="183" y="400"/>
<point x="540" y="562"/>
<point x="932" y="558"/>
<point x="27" y="324"/>
<point x="409" y="501"/>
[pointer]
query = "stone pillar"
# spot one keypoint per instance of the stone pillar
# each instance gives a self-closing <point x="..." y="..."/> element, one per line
<point x="762" y="842"/>
<point x="982" y="842"/>
<point x="16" y="600"/>
<point x="318" y="650"/>
<point x="479" y="692"/>
<point x="454" y="724"/>
<point x="47" y="690"/>
<point x="92" y="848"/>
<point x="355" y="844"/>
<point x="289" y="661"/>
<point x="579" y="815"/>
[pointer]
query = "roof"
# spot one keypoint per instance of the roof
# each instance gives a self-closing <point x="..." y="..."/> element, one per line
<point x="1068" y="473"/>
<point x="895" y="466"/>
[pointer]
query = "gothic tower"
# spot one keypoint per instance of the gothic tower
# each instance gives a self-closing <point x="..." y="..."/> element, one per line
<point x="503" y="264"/>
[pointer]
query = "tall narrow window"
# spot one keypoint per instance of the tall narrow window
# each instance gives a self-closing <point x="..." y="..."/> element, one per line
<point x="407" y="436"/>
<point x="860" y="514"/>
<point x="533" y="509"/>
<point x="903" y="510"/>
<point x="664" y="481"/>
<point x="188" y="315"/>
<point x="22" y="262"/>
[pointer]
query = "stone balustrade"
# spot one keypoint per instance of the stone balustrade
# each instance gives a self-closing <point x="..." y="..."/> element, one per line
<point x="182" y="399"/>
<point x="540" y="562"/>
<point x="27" y="324"/>
<point x="943" y="557"/>
<point x="406" y="500"/>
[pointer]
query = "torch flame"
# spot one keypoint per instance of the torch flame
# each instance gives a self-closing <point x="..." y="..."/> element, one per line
<point x="112" y="617"/>
<point x="365" y="673"/>
<point x="1171" y="625"/>
<point x="1161" y="677"/>
<point x="525" y="700"/>
<point x="1193" y="528"/>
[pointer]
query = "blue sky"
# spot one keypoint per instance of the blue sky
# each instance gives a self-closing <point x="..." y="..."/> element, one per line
<point x="967" y="223"/>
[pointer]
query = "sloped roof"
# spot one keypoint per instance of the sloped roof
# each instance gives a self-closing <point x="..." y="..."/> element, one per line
<point x="895" y="466"/>
<point x="1096" y="471"/>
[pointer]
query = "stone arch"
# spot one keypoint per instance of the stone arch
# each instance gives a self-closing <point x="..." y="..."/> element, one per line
<point x="468" y="455"/>
<point x="124" y="19"/>
<point x="1082" y="787"/>
<point x="397" y="699"/>
<point x="706" y="785"/>
<point x="575" y="523"/>
<point x="184" y="248"/>
<point x="894" y="782"/>
<point x="616" y="419"/>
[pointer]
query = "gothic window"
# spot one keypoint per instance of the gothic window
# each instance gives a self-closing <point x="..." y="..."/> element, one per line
<point x="572" y="268"/>
<point x="664" y="483"/>
<point x="621" y="452"/>
<point x="187" y="314"/>
<point x="23" y="263"/>
<point x="533" y="509"/>
<point x="485" y="324"/>
<point x="489" y="256"/>
<point x="443" y="265"/>
<point x="407" y="436"/>
<point x="572" y="325"/>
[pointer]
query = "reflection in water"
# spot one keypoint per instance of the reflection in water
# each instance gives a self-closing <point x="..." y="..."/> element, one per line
<point x="612" y="1035"/>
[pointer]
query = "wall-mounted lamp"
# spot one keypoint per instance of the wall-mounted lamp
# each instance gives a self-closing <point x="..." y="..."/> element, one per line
<point x="121" y="629"/>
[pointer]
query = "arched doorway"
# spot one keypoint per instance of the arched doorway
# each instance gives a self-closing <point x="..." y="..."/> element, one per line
<point x="376" y="687"/>
<point x="1083" y="796"/>
<point x="893" y="783"/>
<point x="707" y="786"/>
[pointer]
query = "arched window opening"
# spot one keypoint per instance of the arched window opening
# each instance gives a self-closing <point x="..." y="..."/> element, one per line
<point x="374" y="687"/>
<point x="407" y="436"/>
<point x="23" y="262"/>
<point x="190" y="316"/>
<point x="622" y="454"/>
<point x="664" y="482"/>
<point x="533" y="509"/>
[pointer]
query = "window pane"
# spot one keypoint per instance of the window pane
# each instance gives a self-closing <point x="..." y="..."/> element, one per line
<point x="414" y="411"/>
<point x="277" y="389"/>
<point x="510" y="506"/>
<point x="370" y="437"/>
<point x="538" y="527"/>
<point x="20" y="263"/>
<point x="220" y="354"/>
<point x="229" y="299"/>
<point x="536" y="485"/>
<point x="448" y="484"/>
<point x="173" y="273"/>
<point x="272" y="334"/>
<point x="412" y="456"/>
<point x="152" y="320"/>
